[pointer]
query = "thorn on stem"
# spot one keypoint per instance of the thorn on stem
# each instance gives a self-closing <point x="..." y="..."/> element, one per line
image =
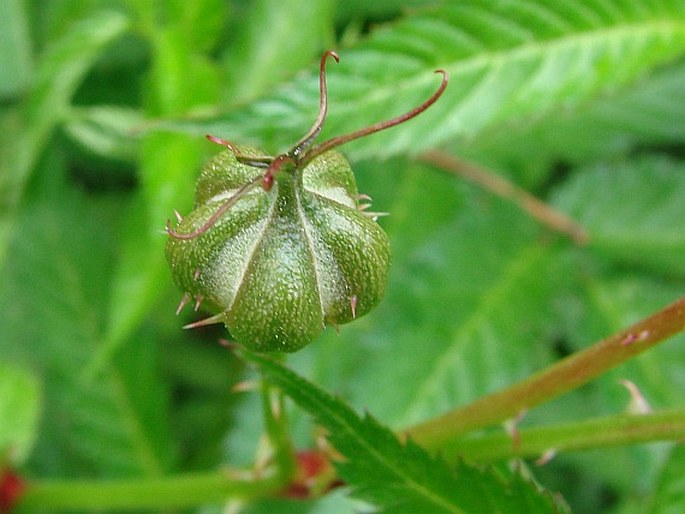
<point x="512" y="427"/>
<point x="198" y="302"/>
<point x="638" y="403"/>
<point x="546" y="457"/>
<point x="631" y="338"/>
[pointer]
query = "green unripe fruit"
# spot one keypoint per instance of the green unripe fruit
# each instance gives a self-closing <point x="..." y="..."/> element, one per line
<point x="279" y="254"/>
<point x="283" y="263"/>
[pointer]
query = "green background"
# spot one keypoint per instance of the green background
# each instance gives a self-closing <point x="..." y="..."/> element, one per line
<point x="104" y="105"/>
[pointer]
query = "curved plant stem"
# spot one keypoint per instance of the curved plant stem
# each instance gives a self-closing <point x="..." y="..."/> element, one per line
<point x="560" y="378"/>
<point x="147" y="493"/>
<point x="377" y="127"/>
<point x="502" y="187"/>
<point x="618" y="430"/>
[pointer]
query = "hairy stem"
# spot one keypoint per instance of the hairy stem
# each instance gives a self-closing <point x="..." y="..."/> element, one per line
<point x="618" y="430"/>
<point x="560" y="378"/>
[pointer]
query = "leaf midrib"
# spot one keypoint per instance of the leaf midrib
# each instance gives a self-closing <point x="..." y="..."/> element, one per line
<point x="411" y="483"/>
<point x="529" y="49"/>
<point x="79" y="301"/>
<point x="494" y="297"/>
<point x="323" y="411"/>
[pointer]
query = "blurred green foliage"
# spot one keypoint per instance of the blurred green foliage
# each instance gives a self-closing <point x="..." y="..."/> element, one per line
<point x="104" y="104"/>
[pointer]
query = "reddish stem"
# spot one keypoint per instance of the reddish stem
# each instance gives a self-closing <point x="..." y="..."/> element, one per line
<point x="310" y="136"/>
<point x="275" y="167"/>
<point x="562" y="377"/>
<point x="377" y="127"/>
<point x="257" y="161"/>
<point x="219" y="212"/>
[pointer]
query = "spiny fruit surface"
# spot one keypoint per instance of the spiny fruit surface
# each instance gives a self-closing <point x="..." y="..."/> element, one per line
<point x="282" y="263"/>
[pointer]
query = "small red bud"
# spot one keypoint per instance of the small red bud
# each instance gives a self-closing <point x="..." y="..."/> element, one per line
<point x="11" y="488"/>
<point x="314" y="475"/>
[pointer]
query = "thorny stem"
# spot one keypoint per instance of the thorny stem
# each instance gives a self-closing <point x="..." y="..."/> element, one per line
<point x="616" y="430"/>
<point x="445" y="432"/>
<point x="557" y="379"/>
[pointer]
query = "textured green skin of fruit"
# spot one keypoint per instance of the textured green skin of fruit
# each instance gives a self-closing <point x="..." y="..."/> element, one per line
<point x="280" y="265"/>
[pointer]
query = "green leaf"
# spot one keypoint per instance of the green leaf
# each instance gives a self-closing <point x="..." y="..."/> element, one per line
<point x="19" y="410"/>
<point x="106" y="131"/>
<point x="357" y="10"/>
<point x="669" y="494"/>
<point x="141" y="273"/>
<point x="649" y="112"/>
<point x="59" y="72"/>
<point x="200" y="22"/>
<point x="509" y="63"/>
<point x="15" y="48"/>
<point x="461" y="316"/>
<point x="52" y="309"/>
<point x="254" y="64"/>
<point x="180" y="78"/>
<point x="402" y="477"/>
<point x="633" y="210"/>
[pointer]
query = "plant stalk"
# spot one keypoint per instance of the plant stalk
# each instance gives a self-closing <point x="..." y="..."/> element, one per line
<point x="147" y="493"/>
<point x="608" y="431"/>
<point x="497" y="184"/>
<point x="557" y="379"/>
